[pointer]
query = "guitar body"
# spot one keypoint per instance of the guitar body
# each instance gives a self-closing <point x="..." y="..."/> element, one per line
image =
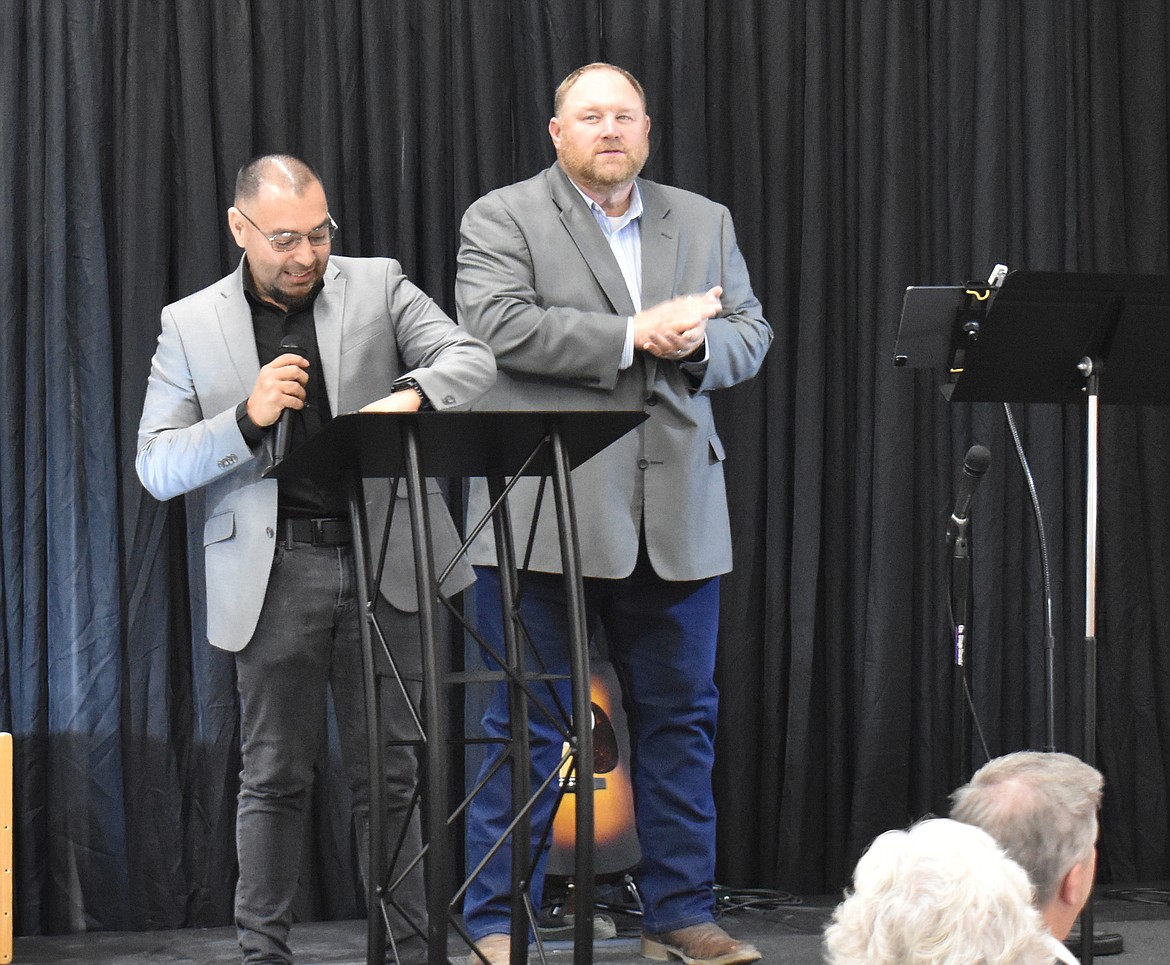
<point x="615" y="838"/>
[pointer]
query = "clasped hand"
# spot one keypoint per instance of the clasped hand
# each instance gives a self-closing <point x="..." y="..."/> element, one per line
<point x="674" y="329"/>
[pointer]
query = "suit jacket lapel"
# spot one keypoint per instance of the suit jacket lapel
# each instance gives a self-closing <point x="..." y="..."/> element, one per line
<point x="659" y="247"/>
<point x="328" y="311"/>
<point x="659" y="259"/>
<point x="587" y="236"/>
<point x="235" y="325"/>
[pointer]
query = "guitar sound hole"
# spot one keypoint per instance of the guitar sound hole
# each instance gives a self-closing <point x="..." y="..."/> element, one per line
<point x="605" y="745"/>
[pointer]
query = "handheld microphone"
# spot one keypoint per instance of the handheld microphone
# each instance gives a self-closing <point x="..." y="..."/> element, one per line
<point x="284" y="423"/>
<point x="975" y="464"/>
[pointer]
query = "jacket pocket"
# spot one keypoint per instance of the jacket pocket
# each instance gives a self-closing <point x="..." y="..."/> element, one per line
<point x="715" y="449"/>
<point x="218" y="528"/>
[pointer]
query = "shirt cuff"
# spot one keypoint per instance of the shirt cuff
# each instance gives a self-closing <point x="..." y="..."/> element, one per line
<point x="252" y="433"/>
<point x="628" y="347"/>
<point x="695" y="358"/>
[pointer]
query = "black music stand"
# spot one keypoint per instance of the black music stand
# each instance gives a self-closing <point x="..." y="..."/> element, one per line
<point x="1068" y="338"/>
<point x="498" y="445"/>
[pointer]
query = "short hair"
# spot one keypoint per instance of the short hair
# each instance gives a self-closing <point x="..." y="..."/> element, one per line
<point x="942" y="893"/>
<point x="568" y="82"/>
<point x="1042" y="809"/>
<point x="287" y="169"/>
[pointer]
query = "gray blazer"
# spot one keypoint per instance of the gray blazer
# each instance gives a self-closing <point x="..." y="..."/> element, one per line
<point x="538" y="282"/>
<point x="373" y="325"/>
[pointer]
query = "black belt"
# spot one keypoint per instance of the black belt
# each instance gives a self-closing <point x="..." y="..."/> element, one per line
<point x="321" y="531"/>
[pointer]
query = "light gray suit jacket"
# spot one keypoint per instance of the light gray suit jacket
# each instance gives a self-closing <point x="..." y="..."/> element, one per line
<point x="538" y="282"/>
<point x="373" y="325"/>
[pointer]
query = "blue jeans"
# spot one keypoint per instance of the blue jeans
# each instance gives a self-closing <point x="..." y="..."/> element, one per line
<point x="662" y="643"/>
<point x="308" y="638"/>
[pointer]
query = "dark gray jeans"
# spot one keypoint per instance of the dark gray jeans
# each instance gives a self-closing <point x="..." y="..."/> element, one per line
<point x="308" y="638"/>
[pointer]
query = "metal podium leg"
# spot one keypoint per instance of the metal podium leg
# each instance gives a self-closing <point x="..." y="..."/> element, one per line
<point x="582" y="710"/>
<point x="438" y="848"/>
<point x="580" y="728"/>
<point x="521" y="753"/>
<point x="1090" y="722"/>
<point x="375" y="923"/>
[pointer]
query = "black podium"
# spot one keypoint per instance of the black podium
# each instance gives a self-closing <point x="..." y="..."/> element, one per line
<point x="1069" y="338"/>
<point x="501" y="446"/>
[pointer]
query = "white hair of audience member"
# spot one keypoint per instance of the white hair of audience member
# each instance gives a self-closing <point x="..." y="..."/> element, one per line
<point x="942" y="893"/>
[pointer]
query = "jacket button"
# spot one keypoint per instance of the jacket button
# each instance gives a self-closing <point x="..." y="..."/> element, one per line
<point x="652" y="400"/>
<point x="643" y="463"/>
<point x="269" y="532"/>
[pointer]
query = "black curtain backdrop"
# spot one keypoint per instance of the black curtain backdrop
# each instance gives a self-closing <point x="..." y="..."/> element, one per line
<point x="861" y="146"/>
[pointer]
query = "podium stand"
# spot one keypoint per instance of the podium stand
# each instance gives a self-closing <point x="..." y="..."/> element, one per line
<point x="1069" y="338"/>
<point x="501" y="446"/>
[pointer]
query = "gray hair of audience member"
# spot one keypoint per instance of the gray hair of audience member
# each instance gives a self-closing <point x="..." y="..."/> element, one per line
<point x="1042" y="809"/>
<point x="942" y="893"/>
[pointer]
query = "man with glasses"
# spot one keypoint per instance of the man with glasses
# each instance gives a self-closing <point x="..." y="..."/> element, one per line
<point x="279" y="567"/>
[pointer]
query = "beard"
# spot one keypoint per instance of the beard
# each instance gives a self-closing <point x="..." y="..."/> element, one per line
<point x="290" y="302"/>
<point x="590" y="170"/>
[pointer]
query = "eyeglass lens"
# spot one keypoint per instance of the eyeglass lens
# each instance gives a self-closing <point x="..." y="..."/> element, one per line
<point x="288" y="240"/>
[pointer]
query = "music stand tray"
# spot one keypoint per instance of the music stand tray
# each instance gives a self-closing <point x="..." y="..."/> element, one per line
<point x="1042" y="326"/>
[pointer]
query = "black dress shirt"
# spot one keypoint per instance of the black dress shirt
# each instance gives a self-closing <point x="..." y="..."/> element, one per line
<point x="297" y="497"/>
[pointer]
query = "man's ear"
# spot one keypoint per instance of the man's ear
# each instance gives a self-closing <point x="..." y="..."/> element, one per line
<point x="236" y="225"/>
<point x="1077" y="883"/>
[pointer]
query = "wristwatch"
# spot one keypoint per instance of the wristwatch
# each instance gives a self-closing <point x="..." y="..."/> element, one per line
<point x="406" y="382"/>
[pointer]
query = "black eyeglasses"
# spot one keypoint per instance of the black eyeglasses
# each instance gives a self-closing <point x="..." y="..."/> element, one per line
<point x="285" y="241"/>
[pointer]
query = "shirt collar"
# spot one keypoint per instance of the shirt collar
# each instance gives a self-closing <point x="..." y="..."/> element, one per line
<point x="632" y="212"/>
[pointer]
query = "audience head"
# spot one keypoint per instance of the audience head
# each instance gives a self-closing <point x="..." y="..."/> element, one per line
<point x="1042" y="810"/>
<point x="942" y="893"/>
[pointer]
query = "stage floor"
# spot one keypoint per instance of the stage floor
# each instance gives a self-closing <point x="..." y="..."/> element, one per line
<point x="787" y="932"/>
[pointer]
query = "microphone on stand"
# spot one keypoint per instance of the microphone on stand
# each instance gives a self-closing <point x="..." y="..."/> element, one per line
<point x="284" y="423"/>
<point x="975" y="464"/>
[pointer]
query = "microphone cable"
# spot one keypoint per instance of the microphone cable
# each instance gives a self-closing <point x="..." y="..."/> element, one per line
<point x="1046" y="578"/>
<point x="970" y="701"/>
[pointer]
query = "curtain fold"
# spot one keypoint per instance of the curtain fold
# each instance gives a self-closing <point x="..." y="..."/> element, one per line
<point x="860" y="147"/>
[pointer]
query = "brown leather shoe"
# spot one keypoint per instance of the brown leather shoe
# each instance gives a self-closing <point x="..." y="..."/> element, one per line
<point x="705" y="944"/>
<point x="495" y="949"/>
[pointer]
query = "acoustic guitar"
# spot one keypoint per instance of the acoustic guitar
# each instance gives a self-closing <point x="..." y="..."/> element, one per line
<point x="614" y="836"/>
